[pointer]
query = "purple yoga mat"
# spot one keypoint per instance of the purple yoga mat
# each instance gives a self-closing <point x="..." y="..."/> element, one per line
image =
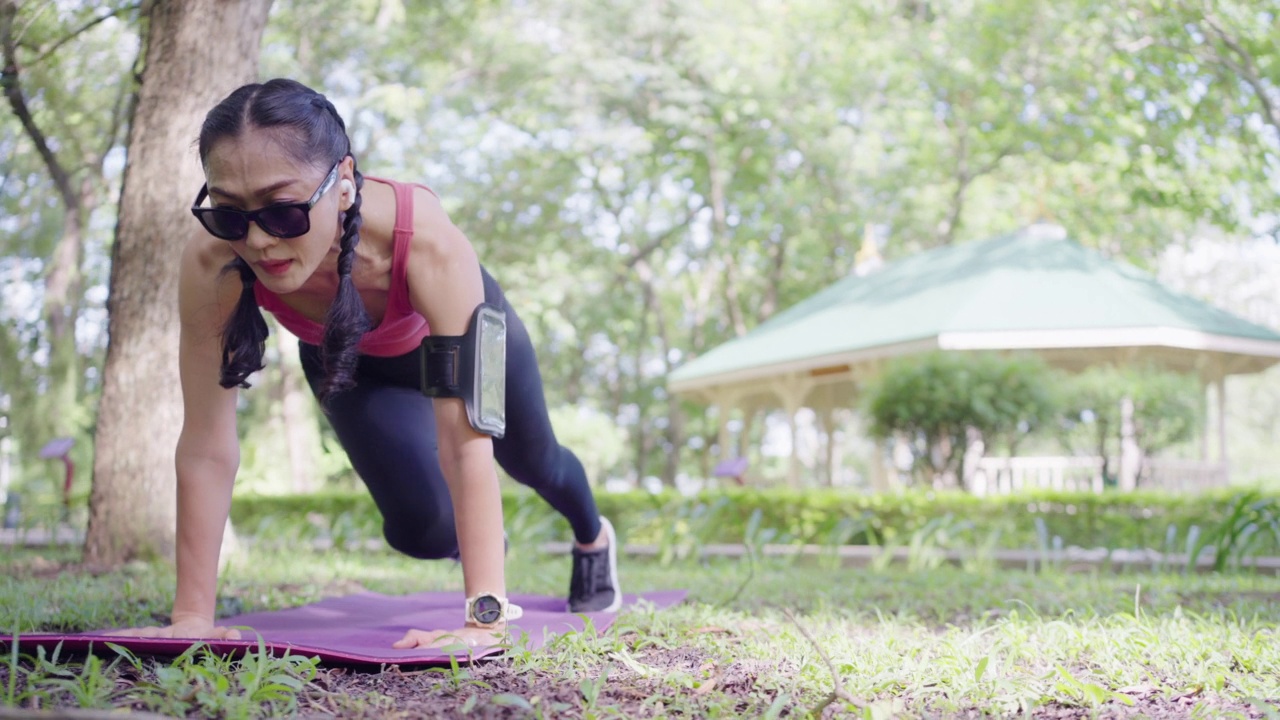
<point x="359" y="629"/>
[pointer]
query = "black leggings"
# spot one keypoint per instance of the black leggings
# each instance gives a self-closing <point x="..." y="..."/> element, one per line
<point x="388" y="429"/>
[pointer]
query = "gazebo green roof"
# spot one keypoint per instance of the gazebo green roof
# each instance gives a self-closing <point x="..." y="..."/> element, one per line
<point x="1033" y="290"/>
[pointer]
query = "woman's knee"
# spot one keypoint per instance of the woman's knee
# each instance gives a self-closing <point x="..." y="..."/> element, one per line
<point x="424" y="538"/>
<point x="536" y="466"/>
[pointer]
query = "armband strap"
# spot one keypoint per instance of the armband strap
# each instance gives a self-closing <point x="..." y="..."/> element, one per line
<point x="472" y="367"/>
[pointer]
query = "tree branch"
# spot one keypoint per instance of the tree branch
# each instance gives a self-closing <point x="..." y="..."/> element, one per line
<point x="119" y="112"/>
<point x="991" y="165"/>
<point x="657" y="240"/>
<point x="12" y="87"/>
<point x="57" y="44"/>
<point x="837" y="691"/>
<point x="1247" y="68"/>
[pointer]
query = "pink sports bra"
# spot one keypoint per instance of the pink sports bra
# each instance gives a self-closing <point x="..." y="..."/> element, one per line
<point x="402" y="328"/>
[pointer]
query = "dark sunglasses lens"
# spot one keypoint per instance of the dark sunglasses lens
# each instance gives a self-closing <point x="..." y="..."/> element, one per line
<point x="225" y="224"/>
<point x="284" y="222"/>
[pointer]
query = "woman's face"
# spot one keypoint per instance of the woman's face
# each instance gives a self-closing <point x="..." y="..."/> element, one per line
<point x="252" y="171"/>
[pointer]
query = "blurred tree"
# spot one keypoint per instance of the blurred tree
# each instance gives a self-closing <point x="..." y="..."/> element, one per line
<point x="1168" y="409"/>
<point x="66" y="82"/>
<point x="721" y="160"/>
<point x="197" y="51"/>
<point x="651" y="179"/>
<point x="936" y="401"/>
<point x="1198" y="84"/>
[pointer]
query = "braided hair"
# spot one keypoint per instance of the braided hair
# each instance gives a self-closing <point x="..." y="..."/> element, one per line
<point x="309" y="128"/>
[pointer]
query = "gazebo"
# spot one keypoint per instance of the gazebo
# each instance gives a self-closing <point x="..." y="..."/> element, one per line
<point x="1034" y="290"/>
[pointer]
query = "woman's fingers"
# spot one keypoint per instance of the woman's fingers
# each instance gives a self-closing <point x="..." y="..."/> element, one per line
<point x="417" y="639"/>
<point x="468" y="636"/>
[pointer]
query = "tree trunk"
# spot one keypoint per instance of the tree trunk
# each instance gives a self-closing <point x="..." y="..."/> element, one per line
<point x="297" y="416"/>
<point x="197" y="52"/>
<point x="675" y="439"/>
<point x="61" y="308"/>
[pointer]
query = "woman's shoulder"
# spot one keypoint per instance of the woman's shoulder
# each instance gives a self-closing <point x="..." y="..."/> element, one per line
<point x="206" y="255"/>
<point x="204" y="282"/>
<point x="432" y="226"/>
<point x="377" y="212"/>
<point x="431" y="230"/>
<point x="385" y="194"/>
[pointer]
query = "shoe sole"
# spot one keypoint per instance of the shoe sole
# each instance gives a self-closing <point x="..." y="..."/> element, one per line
<point x="613" y="567"/>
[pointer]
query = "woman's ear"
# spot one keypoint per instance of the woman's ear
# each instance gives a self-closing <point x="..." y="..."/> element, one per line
<point x="347" y="185"/>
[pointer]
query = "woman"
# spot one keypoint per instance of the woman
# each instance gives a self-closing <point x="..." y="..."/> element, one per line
<point x="361" y="269"/>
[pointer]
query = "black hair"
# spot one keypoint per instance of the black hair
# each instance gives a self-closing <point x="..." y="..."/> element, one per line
<point x="310" y="129"/>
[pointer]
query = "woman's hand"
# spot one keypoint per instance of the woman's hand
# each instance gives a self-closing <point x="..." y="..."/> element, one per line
<point x="184" y="628"/>
<point x="472" y="637"/>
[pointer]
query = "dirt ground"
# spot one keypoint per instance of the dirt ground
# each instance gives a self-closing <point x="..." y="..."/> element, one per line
<point x="423" y="694"/>
<point x="493" y="689"/>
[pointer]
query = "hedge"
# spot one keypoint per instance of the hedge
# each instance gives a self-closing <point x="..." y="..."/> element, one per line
<point x="1113" y="520"/>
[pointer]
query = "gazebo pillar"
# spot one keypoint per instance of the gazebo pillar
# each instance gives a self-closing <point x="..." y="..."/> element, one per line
<point x="1204" y="426"/>
<point x="792" y="390"/>
<point x="826" y="421"/>
<point x="824" y="408"/>
<point x="1221" y="386"/>
<point x="725" y="402"/>
<point x="1130" y="453"/>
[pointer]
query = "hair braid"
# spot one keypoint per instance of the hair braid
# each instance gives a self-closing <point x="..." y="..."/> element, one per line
<point x="244" y="338"/>
<point x="347" y="321"/>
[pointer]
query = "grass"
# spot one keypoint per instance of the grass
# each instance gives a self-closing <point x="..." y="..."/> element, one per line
<point x="757" y="638"/>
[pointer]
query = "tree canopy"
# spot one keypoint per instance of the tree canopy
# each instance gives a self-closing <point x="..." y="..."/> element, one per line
<point x="650" y="179"/>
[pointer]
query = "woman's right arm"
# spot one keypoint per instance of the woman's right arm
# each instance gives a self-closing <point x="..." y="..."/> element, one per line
<point x="208" y="451"/>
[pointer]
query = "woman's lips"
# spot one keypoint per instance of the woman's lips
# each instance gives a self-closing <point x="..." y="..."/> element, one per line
<point x="275" y="267"/>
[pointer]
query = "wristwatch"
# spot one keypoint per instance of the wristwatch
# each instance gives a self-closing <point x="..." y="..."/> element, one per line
<point x="486" y="610"/>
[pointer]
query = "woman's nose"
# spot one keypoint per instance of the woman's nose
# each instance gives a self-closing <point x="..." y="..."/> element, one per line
<point x="259" y="239"/>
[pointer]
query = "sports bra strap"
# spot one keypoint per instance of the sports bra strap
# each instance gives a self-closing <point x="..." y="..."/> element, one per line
<point x="401" y="237"/>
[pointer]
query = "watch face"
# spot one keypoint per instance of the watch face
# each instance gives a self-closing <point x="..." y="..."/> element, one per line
<point x="487" y="609"/>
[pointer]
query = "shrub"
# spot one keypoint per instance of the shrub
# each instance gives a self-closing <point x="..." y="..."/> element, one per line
<point x="935" y="400"/>
<point x="1140" y="519"/>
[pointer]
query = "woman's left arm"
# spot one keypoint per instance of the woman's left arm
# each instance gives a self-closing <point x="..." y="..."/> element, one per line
<point x="445" y="286"/>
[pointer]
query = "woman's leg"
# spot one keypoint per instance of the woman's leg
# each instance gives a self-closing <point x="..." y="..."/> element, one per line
<point x="529" y="451"/>
<point x="389" y="433"/>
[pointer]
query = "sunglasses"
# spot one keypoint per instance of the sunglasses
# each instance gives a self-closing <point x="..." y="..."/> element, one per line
<point x="285" y="220"/>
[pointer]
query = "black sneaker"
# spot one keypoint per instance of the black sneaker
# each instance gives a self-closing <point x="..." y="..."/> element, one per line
<point x="594" y="585"/>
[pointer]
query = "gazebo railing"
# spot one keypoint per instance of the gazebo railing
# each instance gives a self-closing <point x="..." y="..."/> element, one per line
<point x="1004" y="475"/>
<point x="1181" y="475"/>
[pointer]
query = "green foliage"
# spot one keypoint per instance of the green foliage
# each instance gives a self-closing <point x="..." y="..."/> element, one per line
<point x="935" y="400"/>
<point x="649" y="180"/>
<point x="595" y="438"/>
<point x="209" y="685"/>
<point x="1168" y="408"/>
<point x="1251" y="521"/>
<point x="937" y="641"/>
<point x="680" y="526"/>
<point x="1199" y="70"/>
<point x="71" y="67"/>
